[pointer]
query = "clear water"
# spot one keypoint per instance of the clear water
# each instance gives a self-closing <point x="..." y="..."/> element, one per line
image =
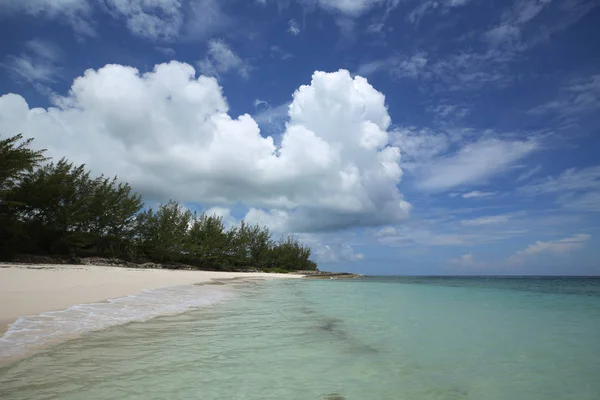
<point x="374" y="338"/>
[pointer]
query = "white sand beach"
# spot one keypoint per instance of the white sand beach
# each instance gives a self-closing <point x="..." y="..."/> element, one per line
<point x="33" y="289"/>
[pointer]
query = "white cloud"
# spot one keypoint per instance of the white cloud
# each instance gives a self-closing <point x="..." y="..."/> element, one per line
<point x="38" y="64"/>
<point x="293" y="27"/>
<point x="487" y="220"/>
<point x="429" y="5"/>
<point x="220" y="59"/>
<point x="469" y="70"/>
<point x="44" y="49"/>
<point x="259" y="103"/>
<point x="445" y="111"/>
<point x="271" y="117"/>
<point x="421" y="234"/>
<point x="350" y="7"/>
<point x="278" y="52"/>
<point x="150" y="19"/>
<point x="580" y="96"/>
<point x="477" y="194"/>
<point x="225" y="213"/>
<point x="397" y="66"/>
<point x="572" y="179"/>
<point x="529" y="173"/>
<point x="467" y="260"/>
<point x="76" y="13"/>
<point x="205" y="18"/>
<point x="410" y="67"/>
<point x="576" y="189"/>
<point x="502" y="34"/>
<point x="169" y="134"/>
<point x="473" y="163"/>
<point x="167" y="51"/>
<point x="419" y="145"/>
<point x="326" y="253"/>
<point x="516" y="31"/>
<point x="371" y="67"/>
<point x="155" y="20"/>
<point x="588" y="201"/>
<point x="508" y="31"/>
<point x="565" y="245"/>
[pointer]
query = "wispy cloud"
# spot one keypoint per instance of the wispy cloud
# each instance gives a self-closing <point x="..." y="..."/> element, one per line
<point x="38" y="64"/>
<point x="565" y="245"/>
<point x="529" y="173"/>
<point x="348" y="7"/>
<point x="430" y="6"/>
<point x="397" y="66"/>
<point x="580" y="96"/>
<point x="77" y="14"/>
<point x="332" y="253"/>
<point x="221" y="59"/>
<point x="473" y="163"/>
<point x="477" y="194"/>
<point x="486" y="220"/>
<point x="162" y="20"/>
<point x="468" y="261"/>
<point x="575" y="189"/>
<point x="271" y="119"/>
<point x="154" y="20"/>
<point x="508" y="31"/>
<point x="204" y="18"/>
<point x="445" y="111"/>
<point x="278" y="52"/>
<point x="440" y="160"/>
<point x="504" y="42"/>
<point x="293" y="27"/>
<point x="572" y="179"/>
<point x="421" y="235"/>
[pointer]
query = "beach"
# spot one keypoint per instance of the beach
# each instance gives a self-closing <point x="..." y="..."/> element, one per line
<point x="27" y="290"/>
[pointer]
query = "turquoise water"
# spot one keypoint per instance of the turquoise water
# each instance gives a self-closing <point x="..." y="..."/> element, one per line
<point x="374" y="338"/>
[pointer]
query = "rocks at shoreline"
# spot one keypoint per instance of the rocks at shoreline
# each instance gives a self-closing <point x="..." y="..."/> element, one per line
<point x="31" y="259"/>
<point x="117" y="262"/>
<point x="329" y="275"/>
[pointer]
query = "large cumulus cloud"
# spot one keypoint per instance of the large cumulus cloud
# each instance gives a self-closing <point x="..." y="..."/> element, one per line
<point x="169" y="134"/>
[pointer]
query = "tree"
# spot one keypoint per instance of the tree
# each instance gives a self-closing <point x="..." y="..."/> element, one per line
<point x="259" y="244"/>
<point x="208" y="243"/>
<point x="59" y="208"/>
<point x="113" y="208"/>
<point x="16" y="160"/>
<point x="162" y="234"/>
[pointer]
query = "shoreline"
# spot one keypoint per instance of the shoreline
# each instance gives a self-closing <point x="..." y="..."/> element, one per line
<point x="33" y="289"/>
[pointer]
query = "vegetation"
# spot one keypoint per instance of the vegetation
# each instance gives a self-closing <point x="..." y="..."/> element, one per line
<point x="57" y="208"/>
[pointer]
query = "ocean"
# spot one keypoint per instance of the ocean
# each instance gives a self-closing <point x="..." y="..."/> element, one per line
<point x="373" y="338"/>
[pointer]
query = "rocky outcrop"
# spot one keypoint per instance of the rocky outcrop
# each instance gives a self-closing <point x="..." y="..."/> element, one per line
<point x="329" y="275"/>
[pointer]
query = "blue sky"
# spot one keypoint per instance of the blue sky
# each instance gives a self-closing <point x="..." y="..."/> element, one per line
<point x="393" y="136"/>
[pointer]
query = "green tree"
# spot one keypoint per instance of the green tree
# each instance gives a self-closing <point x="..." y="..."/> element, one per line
<point x="58" y="208"/>
<point x="208" y="243"/>
<point x="162" y="234"/>
<point x="16" y="160"/>
<point x="113" y="208"/>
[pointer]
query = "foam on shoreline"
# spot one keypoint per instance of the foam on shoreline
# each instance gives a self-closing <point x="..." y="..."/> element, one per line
<point x="30" y="334"/>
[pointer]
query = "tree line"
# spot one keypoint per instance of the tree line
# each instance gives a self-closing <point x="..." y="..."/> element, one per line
<point x="58" y="208"/>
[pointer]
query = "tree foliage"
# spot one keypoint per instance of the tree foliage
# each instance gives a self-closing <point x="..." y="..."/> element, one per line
<point x="60" y="209"/>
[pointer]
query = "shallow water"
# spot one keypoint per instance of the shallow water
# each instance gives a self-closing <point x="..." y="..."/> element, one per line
<point x="375" y="338"/>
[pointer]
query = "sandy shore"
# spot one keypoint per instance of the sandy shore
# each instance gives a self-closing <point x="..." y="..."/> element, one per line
<point x="33" y="289"/>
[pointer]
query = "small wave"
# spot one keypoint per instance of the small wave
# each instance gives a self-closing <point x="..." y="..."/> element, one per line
<point x="30" y="333"/>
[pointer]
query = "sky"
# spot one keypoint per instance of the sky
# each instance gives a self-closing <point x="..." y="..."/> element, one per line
<point x="391" y="136"/>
